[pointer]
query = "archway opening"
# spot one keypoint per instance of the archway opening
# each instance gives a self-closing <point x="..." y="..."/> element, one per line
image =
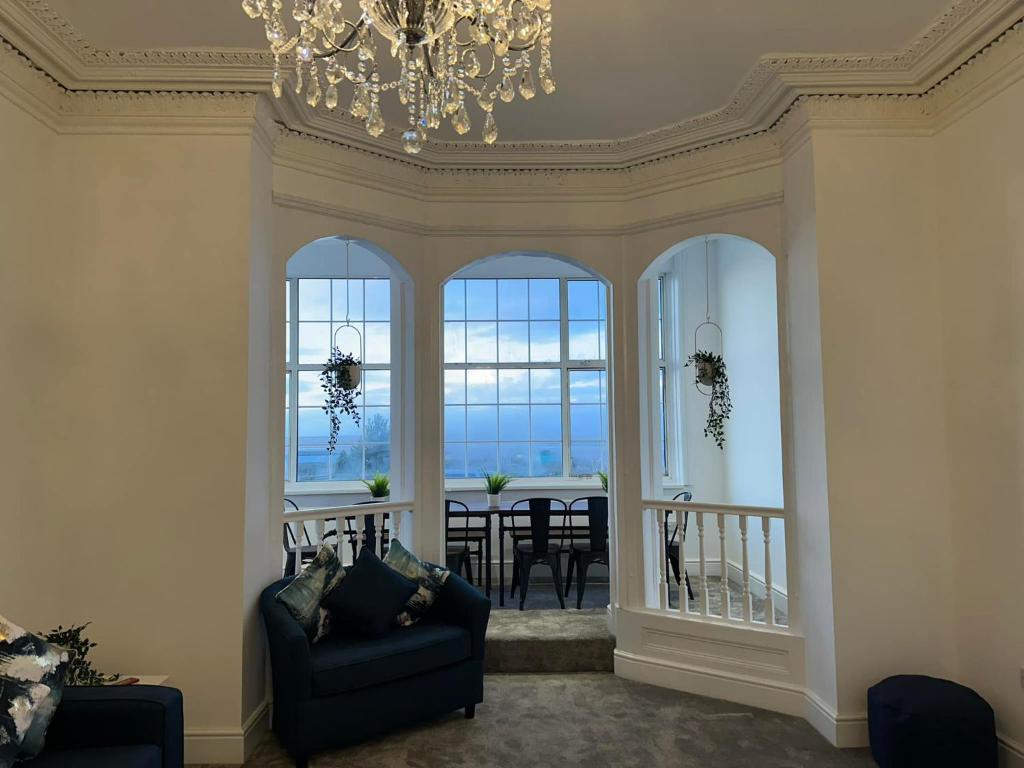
<point x="714" y="295"/>
<point x="526" y="389"/>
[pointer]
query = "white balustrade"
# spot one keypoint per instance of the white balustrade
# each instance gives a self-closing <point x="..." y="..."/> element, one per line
<point x="345" y="528"/>
<point x="732" y="524"/>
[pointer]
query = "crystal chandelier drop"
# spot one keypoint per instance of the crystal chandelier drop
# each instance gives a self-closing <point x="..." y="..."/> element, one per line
<point x="448" y="51"/>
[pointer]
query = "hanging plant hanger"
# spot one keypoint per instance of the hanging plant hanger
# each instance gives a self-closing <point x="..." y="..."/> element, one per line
<point x="710" y="367"/>
<point x="342" y="373"/>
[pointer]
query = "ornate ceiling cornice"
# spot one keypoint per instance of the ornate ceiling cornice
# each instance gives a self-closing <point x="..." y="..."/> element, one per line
<point x="770" y="90"/>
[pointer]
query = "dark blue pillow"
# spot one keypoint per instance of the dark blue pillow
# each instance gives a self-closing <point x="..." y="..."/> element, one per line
<point x="369" y="597"/>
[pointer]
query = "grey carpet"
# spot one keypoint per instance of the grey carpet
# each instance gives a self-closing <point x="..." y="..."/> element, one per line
<point x="549" y="641"/>
<point x="592" y="720"/>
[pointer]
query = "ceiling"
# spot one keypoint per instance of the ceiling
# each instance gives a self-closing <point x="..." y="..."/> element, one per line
<point x="624" y="67"/>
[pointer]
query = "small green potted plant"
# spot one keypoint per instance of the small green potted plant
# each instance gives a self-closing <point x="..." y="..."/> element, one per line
<point x="494" y="484"/>
<point x="379" y="487"/>
<point x="710" y="372"/>
<point x="604" y="479"/>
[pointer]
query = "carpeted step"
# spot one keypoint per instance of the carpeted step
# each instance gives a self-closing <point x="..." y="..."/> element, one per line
<point x="549" y="641"/>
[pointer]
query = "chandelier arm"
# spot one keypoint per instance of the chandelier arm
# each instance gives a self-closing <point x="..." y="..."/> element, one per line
<point x="336" y="48"/>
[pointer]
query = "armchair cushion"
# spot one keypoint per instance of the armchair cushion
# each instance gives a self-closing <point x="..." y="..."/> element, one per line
<point x="100" y="757"/>
<point x="369" y="597"/>
<point x="429" y="580"/>
<point x="348" y="662"/>
<point x="303" y="594"/>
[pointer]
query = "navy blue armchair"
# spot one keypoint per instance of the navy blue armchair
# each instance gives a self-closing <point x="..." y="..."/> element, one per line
<point x="348" y="688"/>
<point x="128" y="726"/>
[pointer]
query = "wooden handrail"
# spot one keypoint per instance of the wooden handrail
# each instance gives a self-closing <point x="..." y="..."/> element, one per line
<point x="349" y="510"/>
<point x="714" y="509"/>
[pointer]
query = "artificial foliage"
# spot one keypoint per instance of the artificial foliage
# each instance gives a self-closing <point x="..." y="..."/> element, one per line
<point x="342" y="393"/>
<point x="710" y="366"/>
<point x="73" y="640"/>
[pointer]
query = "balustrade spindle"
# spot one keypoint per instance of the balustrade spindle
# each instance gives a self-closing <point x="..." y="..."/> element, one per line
<point x="338" y="549"/>
<point x="746" y="569"/>
<point x="396" y="518"/>
<point x="318" y="529"/>
<point x="297" y="530"/>
<point x="360" y="525"/>
<point x="769" y="590"/>
<point x="702" y="604"/>
<point x="723" y="570"/>
<point x="662" y="557"/>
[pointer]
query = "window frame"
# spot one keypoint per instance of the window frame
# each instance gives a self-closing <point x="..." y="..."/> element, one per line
<point x="670" y="366"/>
<point x="565" y="366"/>
<point x="293" y="367"/>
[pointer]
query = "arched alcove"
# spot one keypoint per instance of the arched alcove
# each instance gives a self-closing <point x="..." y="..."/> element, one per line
<point x="715" y="293"/>
<point x="525" y="369"/>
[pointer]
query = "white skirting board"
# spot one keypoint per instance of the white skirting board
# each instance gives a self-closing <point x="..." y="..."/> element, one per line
<point x="1011" y="753"/>
<point x="227" y="746"/>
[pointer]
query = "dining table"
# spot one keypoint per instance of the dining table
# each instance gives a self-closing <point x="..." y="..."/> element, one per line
<point x="505" y="515"/>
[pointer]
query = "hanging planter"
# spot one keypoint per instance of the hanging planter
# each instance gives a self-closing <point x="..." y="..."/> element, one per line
<point x="340" y="379"/>
<point x="710" y="372"/>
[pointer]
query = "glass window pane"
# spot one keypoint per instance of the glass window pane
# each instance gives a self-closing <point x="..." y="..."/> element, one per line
<point x="377" y="300"/>
<point x="482" y="386"/>
<point x="455" y="300"/>
<point x="348" y="300"/>
<point x="585" y="422"/>
<point x="314" y="342"/>
<point x="482" y="422"/>
<point x="481" y="342"/>
<point x="378" y="343"/>
<point x="546" y="385"/>
<point x="513" y="342"/>
<point x="481" y="300"/>
<point x="377" y="425"/>
<point x="546" y="459"/>
<point x="544" y="300"/>
<point x="455" y="459"/>
<point x="377" y="459"/>
<point x="376" y="387"/>
<point x="455" y="342"/>
<point x="287" y="301"/>
<point x="314" y="427"/>
<point x="514" y="459"/>
<point x="481" y="458"/>
<point x="585" y="340"/>
<point x="586" y="387"/>
<point x="514" y="385"/>
<point x="545" y="422"/>
<point x="586" y="458"/>
<point x="583" y="300"/>
<point x="513" y="422"/>
<point x="347" y="463"/>
<point x="312" y="464"/>
<point x="545" y="342"/>
<point x="455" y="423"/>
<point x="513" y="300"/>
<point x="310" y="391"/>
<point x="454" y="387"/>
<point x="314" y="299"/>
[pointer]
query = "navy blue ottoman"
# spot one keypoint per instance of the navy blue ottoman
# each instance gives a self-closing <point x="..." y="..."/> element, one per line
<point x="923" y="721"/>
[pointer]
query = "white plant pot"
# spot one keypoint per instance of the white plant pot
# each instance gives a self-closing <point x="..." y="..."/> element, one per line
<point x="493" y="500"/>
<point x="706" y="374"/>
<point x="380" y="499"/>
<point x="355" y="375"/>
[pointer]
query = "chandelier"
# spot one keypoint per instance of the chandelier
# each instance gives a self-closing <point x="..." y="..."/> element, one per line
<point x="448" y="51"/>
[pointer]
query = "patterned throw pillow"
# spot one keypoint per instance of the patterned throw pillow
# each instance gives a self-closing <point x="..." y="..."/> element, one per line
<point x="429" y="578"/>
<point x="32" y="673"/>
<point x="303" y="595"/>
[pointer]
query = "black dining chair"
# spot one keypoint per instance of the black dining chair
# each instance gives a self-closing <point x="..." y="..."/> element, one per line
<point x="583" y="554"/>
<point x="532" y="544"/>
<point x="461" y="538"/>
<point x="672" y="547"/>
<point x="289" y="543"/>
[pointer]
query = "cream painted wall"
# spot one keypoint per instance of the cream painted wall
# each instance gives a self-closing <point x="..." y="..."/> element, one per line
<point x="980" y="258"/>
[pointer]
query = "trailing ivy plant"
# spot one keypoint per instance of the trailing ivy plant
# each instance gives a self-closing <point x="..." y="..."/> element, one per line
<point x="710" y="371"/>
<point x="341" y="391"/>
<point x="73" y="640"/>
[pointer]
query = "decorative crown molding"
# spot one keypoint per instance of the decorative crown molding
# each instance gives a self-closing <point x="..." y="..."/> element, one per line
<point x="763" y="98"/>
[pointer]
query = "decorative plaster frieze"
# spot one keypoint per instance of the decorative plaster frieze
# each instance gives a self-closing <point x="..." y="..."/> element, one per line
<point x="766" y="94"/>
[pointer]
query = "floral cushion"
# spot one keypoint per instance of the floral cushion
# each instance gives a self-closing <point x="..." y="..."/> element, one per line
<point x="428" y="577"/>
<point x="303" y="595"/>
<point x="32" y="673"/>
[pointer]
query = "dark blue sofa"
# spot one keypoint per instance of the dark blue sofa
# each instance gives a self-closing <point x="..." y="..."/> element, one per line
<point x="128" y="726"/>
<point x="347" y="688"/>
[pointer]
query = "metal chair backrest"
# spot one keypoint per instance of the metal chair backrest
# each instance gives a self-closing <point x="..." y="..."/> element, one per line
<point x="449" y="505"/>
<point x="685" y="496"/>
<point x="539" y="511"/>
<point x="288" y="536"/>
<point x="597" y="520"/>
